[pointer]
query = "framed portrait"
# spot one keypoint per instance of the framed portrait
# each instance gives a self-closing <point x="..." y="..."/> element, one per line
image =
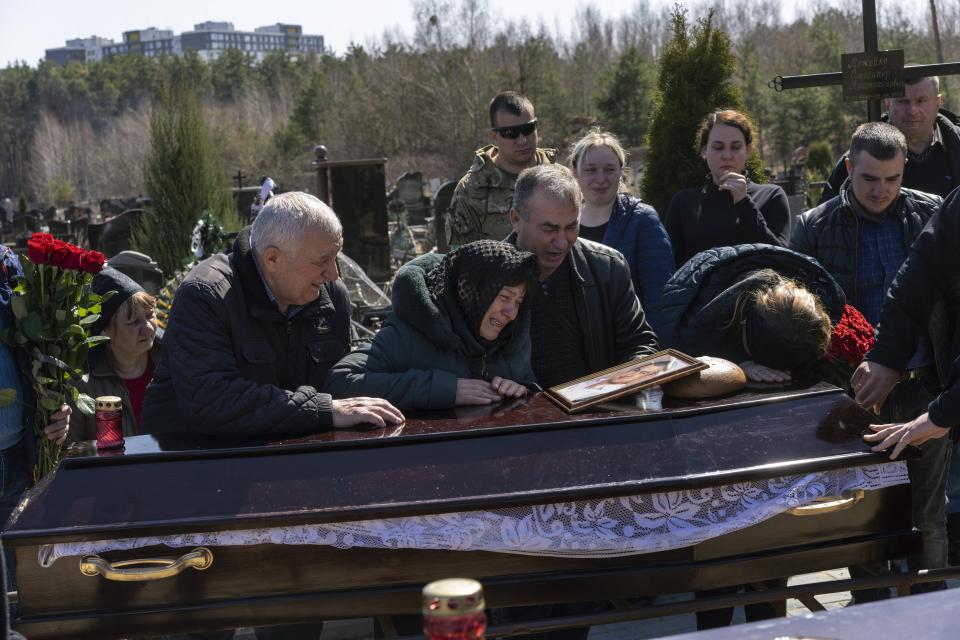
<point x="623" y="379"/>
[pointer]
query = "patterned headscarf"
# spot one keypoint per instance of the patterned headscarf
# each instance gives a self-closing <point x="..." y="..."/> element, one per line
<point x="470" y="278"/>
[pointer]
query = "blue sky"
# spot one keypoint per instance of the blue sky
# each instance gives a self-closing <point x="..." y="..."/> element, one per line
<point x="31" y="26"/>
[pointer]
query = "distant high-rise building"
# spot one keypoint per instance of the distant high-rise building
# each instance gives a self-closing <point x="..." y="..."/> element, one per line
<point x="208" y="39"/>
<point x="79" y="50"/>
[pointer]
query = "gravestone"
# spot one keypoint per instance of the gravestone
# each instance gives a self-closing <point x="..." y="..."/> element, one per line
<point x="115" y="234"/>
<point x="409" y="190"/>
<point x="356" y="190"/>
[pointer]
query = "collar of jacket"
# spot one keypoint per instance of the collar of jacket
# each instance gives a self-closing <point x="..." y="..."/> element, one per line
<point x="413" y="304"/>
<point x="617" y="224"/>
<point x="100" y="367"/>
<point x="484" y="162"/>
<point x="898" y="208"/>
<point x="258" y="303"/>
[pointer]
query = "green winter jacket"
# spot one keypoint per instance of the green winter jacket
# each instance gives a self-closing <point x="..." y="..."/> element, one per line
<point x="415" y="359"/>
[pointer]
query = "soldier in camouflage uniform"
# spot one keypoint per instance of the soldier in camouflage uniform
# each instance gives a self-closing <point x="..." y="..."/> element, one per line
<point x="483" y="197"/>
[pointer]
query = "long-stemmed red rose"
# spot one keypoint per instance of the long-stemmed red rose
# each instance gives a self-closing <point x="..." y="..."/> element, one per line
<point x="54" y="307"/>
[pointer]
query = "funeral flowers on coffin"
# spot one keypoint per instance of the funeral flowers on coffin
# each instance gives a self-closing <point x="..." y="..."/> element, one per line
<point x="54" y="309"/>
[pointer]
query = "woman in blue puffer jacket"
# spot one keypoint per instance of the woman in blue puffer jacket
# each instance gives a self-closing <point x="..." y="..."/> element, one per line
<point x="621" y="221"/>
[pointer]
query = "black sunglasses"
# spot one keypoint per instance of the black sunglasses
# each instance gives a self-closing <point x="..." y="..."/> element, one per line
<point x="517" y="130"/>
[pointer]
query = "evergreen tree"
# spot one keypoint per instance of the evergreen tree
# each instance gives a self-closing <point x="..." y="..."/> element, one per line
<point x="624" y="101"/>
<point x="694" y="78"/>
<point x="183" y="177"/>
<point x="819" y="160"/>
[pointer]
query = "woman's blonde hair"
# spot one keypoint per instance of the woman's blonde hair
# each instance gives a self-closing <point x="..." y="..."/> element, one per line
<point x="597" y="139"/>
<point x="790" y="310"/>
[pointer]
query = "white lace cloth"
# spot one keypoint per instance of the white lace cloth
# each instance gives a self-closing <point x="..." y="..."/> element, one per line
<point x="589" y="528"/>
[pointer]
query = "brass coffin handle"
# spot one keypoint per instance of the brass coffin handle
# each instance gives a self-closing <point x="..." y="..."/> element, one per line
<point x="830" y="504"/>
<point x="159" y="568"/>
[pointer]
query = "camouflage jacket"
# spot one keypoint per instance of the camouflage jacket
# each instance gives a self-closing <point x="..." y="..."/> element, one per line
<point x="483" y="197"/>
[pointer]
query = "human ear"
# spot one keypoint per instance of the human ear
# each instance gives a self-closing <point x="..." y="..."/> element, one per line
<point x="271" y="259"/>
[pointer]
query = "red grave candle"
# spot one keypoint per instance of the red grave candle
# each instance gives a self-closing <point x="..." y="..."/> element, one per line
<point x="109" y="417"/>
<point x="453" y="609"/>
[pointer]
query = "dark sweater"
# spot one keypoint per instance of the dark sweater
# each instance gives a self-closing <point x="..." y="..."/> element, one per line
<point x="706" y="217"/>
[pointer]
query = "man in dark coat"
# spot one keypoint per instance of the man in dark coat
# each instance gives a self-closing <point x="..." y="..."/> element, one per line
<point x="933" y="141"/>
<point x="863" y="237"/>
<point x="252" y="335"/>
<point x="590" y="317"/>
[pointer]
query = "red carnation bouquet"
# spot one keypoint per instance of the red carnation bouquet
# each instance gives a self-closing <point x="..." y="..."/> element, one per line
<point x="852" y="338"/>
<point x="54" y="308"/>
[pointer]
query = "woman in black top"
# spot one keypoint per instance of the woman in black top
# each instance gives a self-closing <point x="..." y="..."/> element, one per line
<point x="729" y="209"/>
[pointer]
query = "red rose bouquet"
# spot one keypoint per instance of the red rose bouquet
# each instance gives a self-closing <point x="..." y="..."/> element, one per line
<point x="54" y="306"/>
<point x="852" y="338"/>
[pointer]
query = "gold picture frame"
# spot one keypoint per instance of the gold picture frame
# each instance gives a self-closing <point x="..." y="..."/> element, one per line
<point x="623" y="379"/>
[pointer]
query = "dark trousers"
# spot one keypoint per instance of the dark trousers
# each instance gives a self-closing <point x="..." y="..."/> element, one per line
<point x="928" y="484"/>
<point x="759" y="611"/>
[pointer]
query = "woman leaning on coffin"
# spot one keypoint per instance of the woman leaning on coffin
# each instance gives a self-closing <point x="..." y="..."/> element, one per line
<point x="769" y="309"/>
<point x="458" y="334"/>
<point x="123" y="366"/>
<point x="729" y="208"/>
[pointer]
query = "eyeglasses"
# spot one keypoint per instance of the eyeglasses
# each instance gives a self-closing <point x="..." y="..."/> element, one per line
<point x="517" y="130"/>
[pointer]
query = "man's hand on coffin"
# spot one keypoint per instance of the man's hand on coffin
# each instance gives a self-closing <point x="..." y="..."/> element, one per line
<point x="350" y="412"/>
<point x="915" y="433"/>
<point x="508" y="388"/>
<point x="473" y="391"/>
<point x="872" y="383"/>
<point x="759" y="373"/>
<point x="59" y="425"/>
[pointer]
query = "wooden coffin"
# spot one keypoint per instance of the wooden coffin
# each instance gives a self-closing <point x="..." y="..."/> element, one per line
<point x="441" y="463"/>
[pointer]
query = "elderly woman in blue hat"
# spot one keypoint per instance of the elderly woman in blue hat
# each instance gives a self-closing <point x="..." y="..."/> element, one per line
<point x="123" y="366"/>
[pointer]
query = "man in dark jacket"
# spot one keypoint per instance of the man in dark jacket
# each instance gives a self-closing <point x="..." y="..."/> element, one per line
<point x="589" y="318"/>
<point x="862" y="238"/>
<point x="252" y="335"/>
<point x="924" y="300"/>
<point x="933" y="141"/>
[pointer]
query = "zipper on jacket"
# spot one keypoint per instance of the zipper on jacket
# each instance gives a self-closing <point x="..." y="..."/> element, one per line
<point x="483" y="366"/>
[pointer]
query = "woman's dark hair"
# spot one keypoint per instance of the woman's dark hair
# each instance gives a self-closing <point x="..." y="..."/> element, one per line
<point x="729" y="117"/>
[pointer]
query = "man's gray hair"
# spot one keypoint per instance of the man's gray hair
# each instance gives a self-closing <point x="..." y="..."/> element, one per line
<point x="555" y="181"/>
<point x="286" y="217"/>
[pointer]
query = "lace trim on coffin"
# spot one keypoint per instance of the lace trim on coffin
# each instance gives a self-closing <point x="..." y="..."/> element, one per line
<point x="589" y="528"/>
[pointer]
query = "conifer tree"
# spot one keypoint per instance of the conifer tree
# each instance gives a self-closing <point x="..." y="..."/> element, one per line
<point x="624" y="101"/>
<point x="695" y="77"/>
<point x="184" y="177"/>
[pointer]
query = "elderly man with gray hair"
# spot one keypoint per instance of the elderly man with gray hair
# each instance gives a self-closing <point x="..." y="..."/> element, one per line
<point x="589" y="318"/>
<point x="252" y="334"/>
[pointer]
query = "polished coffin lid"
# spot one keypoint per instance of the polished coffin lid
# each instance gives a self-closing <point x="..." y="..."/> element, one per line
<point x="442" y="462"/>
